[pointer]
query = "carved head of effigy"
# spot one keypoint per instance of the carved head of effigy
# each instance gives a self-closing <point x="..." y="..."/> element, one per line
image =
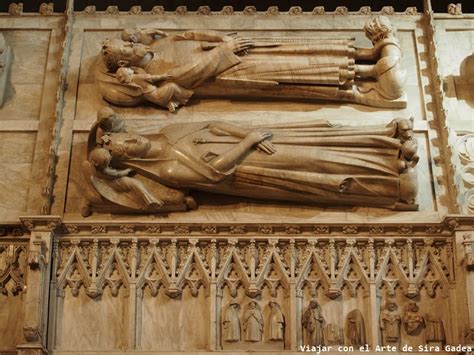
<point x="117" y="53"/>
<point x="378" y="29"/>
<point x="109" y="121"/>
<point x="126" y="145"/>
<point x="130" y="35"/>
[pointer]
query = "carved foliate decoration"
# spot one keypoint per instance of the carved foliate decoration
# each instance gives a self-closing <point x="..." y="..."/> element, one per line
<point x="468" y="242"/>
<point x="135" y="10"/>
<point x="13" y="266"/>
<point x="455" y="9"/>
<point x="464" y="157"/>
<point x="112" y="10"/>
<point x="15" y="9"/>
<point x="46" y="8"/>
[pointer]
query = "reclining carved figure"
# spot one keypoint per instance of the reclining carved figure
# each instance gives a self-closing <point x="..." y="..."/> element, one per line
<point x="211" y="64"/>
<point x="305" y="163"/>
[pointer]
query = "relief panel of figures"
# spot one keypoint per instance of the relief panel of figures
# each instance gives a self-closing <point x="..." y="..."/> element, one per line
<point x="208" y="294"/>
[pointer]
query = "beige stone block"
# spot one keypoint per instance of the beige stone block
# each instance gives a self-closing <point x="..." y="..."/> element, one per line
<point x="16" y="148"/>
<point x="10" y="320"/>
<point x="88" y="102"/>
<point x="30" y="53"/>
<point x="176" y="324"/>
<point x="14" y="187"/>
<point x="25" y="104"/>
<point x="91" y="324"/>
<point x="16" y="155"/>
<point x="79" y="153"/>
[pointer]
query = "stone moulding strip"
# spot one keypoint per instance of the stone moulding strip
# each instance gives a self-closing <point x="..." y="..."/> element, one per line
<point x="248" y="10"/>
<point x="446" y="227"/>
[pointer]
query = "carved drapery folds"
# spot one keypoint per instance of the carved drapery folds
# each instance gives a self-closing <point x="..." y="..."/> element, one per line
<point x="294" y="68"/>
<point x="299" y="163"/>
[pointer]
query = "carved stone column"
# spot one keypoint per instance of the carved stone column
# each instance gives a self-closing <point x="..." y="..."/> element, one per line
<point x="34" y="315"/>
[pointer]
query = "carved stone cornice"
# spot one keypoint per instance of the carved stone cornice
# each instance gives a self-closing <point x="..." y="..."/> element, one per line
<point x="11" y="231"/>
<point x="445" y="227"/>
<point x="248" y="10"/>
<point x="41" y="223"/>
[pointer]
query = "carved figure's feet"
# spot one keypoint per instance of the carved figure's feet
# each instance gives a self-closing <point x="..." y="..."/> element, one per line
<point x="367" y="94"/>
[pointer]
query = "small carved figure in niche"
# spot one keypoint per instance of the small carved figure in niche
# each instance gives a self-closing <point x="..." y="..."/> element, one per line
<point x="313" y="323"/>
<point x="413" y="321"/>
<point x="165" y="94"/>
<point x="277" y="322"/>
<point x="253" y="323"/>
<point x="311" y="162"/>
<point x="225" y="65"/>
<point x="434" y="330"/>
<point x="145" y="36"/>
<point x="231" y="323"/>
<point x="355" y="328"/>
<point x="390" y="320"/>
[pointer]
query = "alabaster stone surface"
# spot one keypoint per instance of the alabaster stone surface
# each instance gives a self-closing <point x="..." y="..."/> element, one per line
<point x="131" y="283"/>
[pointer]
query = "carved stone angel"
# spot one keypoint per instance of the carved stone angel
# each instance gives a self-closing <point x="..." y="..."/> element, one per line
<point x="210" y="64"/>
<point x="313" y="162"/>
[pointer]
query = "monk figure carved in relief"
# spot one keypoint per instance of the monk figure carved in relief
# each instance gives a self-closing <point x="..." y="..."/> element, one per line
<point x="277" y="322"/>
<point x="390" y="321"/>
<point x="211" y="64"/>
<point x="313" y="162"/>
<point x="231" y="323"/>
<point x="313" y="324"/>
<point x="253" y="323"/>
